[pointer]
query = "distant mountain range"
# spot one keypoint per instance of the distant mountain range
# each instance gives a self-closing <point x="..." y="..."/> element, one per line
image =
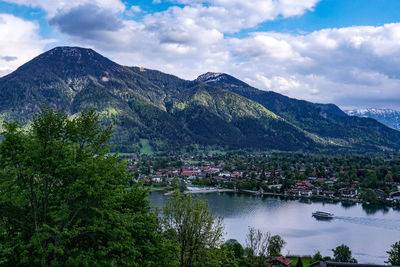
<point x="389" y="117"/>
<point x="163" y="112"/>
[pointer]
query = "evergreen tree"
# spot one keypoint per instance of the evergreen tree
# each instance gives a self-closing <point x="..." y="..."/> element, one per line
<point x="299" y="262"/>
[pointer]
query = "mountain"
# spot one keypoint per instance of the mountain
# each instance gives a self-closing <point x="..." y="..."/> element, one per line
<point x="151" y="108"/>
<point x="326" y="121"/>
<point x="389" y="117"/>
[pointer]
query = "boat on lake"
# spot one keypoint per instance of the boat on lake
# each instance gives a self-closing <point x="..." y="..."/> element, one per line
<point x="323" y="215"/>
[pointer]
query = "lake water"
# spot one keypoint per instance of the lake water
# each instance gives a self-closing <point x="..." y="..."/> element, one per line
<point x="368" y="231"/>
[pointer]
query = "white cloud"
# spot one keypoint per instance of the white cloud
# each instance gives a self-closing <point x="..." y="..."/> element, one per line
<point x="347" y="66"/>
<point x="330" y="65"/>
<point x="192" y="35"/>
<point x="231" y="16"/>
<point x="136" y="9"/>
<point x="19" y="42"/>
<point x="133" y="10"/>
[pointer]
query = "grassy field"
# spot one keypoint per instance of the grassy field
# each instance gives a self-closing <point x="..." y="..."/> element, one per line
<point x="157" y="188"/>
<point x="145" y="147"/>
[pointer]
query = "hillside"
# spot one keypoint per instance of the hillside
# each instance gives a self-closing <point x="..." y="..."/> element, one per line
<point x="169" y="113"/>
<point x="324" y="120"/>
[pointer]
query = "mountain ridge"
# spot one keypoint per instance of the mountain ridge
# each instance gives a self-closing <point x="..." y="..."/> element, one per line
<point x="171" y="113"/>
<point x="389" y="117"/>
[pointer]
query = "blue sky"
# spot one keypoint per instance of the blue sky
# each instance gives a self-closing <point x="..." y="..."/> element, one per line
<point x="339" y="14"/>
<point x="345" y="52"/>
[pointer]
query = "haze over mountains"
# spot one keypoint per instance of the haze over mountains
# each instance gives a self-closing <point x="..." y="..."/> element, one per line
<point x="170" y="113"/>
<point x="389" y="117"/>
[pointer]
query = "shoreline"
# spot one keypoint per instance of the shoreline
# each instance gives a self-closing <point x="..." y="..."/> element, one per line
<point x="287" y="196"/>
<point x="204" y="191"/>
<point x="302" y="197"/>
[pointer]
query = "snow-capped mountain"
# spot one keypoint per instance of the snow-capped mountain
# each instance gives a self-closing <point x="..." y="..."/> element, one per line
<point x="211" y="77"/>
<point x="389" y="117"/>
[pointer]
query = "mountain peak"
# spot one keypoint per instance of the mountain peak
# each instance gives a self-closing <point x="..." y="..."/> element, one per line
<point x="77" y="54"/>
<point x="70" y="51"/>
<point x="218" y="78"/>
<point x="74" y="60"/>
<point x="210" y="77"/>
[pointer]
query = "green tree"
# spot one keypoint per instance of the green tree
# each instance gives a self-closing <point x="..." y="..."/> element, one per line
<point x="299" y="262"/>
<point x="394" y="254"/>
<point x="220" y="257"/>
<point x="64" y="201"/>
<point x="371" y="181"/>
<point x="317" y="257"/>
<point x="389" y="177"/>
<point x="342" y="253"/>
<point x="262" y="246"/>
<point x="369" y="196"/>
<point x="189" y="223"/>
<point x="178" y="184"/>
<point x="234" y="246"/>
<point x="276" y="243"/>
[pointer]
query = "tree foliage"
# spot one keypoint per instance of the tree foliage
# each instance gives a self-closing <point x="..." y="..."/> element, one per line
<point x="262" y="246"/>
<point x="64" y="200"/>
<point x="188" y="222"/>
<point x="317" y="257"/>
<point x="342" y="253"/>
<point x="394" y="254"/>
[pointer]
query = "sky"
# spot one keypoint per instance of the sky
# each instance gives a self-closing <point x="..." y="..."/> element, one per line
<point x="345" y="52"/>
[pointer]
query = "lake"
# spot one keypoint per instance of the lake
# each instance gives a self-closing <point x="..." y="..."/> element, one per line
<point x="368" y="231"/>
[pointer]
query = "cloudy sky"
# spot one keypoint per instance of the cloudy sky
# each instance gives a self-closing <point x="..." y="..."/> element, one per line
<point x="345" y="52"/>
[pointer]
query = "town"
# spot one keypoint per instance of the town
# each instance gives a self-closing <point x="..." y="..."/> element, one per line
<point x="367" y="179"/>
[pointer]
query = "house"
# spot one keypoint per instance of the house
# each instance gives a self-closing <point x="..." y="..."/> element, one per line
<point x="348" y="192"/>
<point x="329" y="193"/>
<point x="187" y="173"/>
<point x="156" y="179"/>
<point x="312" y="179"/>
<point x="225" y="174"/>
<point x="211" y="171"/>
<point x="294" y="192"/>
<point x="380" y="193"/>
<point x="343" y="264"/>
<point x="306" y="193"/>
<point x="237" y="174"/>
<point x="309" y="185"/>
<point x="279" y="261"/>
<point x="316" y="190"/>
<point x="395" y="195"/>
<point x="330" y="183"/>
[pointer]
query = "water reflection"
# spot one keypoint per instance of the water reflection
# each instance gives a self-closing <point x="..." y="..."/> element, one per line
<point x="371" y="209"/>
<point x="348" y="204"/>
<point x="323" y="219"/>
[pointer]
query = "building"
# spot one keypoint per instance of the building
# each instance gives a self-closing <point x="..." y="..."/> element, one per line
<point x="279" y="261"/>
<point x="343" y="264"/>
<point x="348" y="192"/>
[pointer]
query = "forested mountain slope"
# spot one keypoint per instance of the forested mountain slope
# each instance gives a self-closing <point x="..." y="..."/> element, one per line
<point x="170" y="113"/>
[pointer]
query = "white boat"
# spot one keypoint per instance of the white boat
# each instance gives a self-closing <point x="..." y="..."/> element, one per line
<point x="323" y="215"/>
